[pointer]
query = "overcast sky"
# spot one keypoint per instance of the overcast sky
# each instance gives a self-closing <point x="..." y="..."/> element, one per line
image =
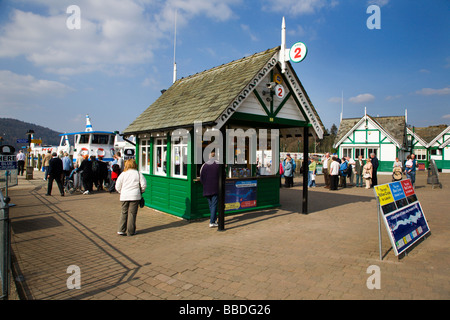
<point x="115" y="65"/>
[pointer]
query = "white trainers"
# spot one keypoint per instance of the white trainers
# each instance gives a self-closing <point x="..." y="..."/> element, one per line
<point x="86" y="192"/>
<point x="212" y="225"/>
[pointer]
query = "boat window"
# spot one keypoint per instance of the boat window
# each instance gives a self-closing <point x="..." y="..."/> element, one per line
<point x="100" y="138"/>
<point x="84" y="138"/>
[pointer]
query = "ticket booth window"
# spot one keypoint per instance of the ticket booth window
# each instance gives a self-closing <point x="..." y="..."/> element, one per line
<point x="160" y="156"/>
<point x="179" y="159"/>
<point x="144" y="156"/>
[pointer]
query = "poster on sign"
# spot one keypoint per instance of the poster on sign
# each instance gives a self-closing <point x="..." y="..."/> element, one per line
<point x="240" y="194"/>
<point x="402" y="214"/>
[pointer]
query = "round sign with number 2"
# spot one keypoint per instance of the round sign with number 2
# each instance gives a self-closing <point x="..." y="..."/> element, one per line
<point x="298" y="52"/>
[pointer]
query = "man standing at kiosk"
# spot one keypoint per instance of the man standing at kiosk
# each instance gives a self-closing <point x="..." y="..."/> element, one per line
<point x="209" y="177"/>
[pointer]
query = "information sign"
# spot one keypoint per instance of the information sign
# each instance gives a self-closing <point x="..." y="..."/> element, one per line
<point x="402" y="214"/>
<point x="240" y="194"/>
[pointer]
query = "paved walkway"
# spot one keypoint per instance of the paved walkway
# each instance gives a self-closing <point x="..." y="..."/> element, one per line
<point x="272" y="254"/>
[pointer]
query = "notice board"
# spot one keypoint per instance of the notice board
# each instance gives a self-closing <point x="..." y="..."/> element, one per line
<point x="402" y="214"/>
<point x="240" y="194"/>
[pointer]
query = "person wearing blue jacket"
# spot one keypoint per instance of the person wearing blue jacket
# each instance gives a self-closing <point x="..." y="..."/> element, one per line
<point x="343" y="172"/>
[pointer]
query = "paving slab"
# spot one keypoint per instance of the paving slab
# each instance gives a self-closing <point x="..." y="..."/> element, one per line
<point x="276" y="254"/>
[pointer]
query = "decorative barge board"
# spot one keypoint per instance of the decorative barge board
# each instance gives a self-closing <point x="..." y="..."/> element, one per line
<point x="247" y="94"/>
<point x="384" y="136"/>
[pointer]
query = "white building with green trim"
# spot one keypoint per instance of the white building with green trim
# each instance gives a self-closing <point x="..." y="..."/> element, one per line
<point x="390" y="138"/>
<point x="384" y="136"/>
<point x="439" y="150"/>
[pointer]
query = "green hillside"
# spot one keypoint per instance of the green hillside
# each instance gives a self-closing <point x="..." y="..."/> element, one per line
<point x="12" y="129"/>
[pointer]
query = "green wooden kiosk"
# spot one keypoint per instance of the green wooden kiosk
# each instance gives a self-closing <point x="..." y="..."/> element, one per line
<point x="252" y="95"/>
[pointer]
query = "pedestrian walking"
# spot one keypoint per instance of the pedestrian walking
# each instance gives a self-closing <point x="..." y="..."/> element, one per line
<point x="20" y="162"/>
<point x="46" y="163"/>
<point x="55" y="172"/>
<point x="130" y="184"/>
<point x="209" y="177"/>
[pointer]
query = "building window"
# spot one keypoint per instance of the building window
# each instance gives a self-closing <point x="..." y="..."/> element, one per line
<point x="179" y="157"/>
<point x="372" y="150"/>
<point x="144" y="156"/>
<point x="160" y="156"/>
<point x="360" y="152"/>
<point x="347" y="152"/>
<point x="421" y="154"/>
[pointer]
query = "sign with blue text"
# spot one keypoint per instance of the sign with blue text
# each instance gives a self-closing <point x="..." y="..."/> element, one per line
<point x="240" y="194"/>
<point x="402" y="214"/>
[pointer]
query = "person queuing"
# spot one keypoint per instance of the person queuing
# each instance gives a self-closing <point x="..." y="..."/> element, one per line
<point x="368" y="173"/>
<point x="209" y="177"/>
<point x="359" y="165"/>
<point x="375" y="164"/>
<point x="334" y="173"/>
<point x="86" y="175"/>
<point x="343" y="172"/>
<point x="326" y="169"/>
<point x="289" y="168"/>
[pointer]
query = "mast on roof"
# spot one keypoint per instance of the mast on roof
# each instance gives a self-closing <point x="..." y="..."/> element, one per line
<point x="174" y="49"/>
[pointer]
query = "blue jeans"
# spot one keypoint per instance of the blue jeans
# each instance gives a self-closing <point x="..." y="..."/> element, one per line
<point x="311" y="182"/>
<point x="359" y="180"/>
<point x="411" y="176"/>
<point x="212" y="202"/>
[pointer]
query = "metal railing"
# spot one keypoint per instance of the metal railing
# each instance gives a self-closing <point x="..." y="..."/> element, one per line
<point x="5" y="247"/>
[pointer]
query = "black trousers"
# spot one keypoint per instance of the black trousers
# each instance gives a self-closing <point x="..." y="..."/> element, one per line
<point x="20" y="167"/>
<point x="334" y="181"/>
<point x="57" y="178"/>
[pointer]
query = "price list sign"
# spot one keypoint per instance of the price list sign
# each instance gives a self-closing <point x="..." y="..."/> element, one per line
<point x="402" y="214"/>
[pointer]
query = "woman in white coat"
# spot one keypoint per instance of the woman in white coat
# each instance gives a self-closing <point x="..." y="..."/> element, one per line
<point x="130" y="184"/>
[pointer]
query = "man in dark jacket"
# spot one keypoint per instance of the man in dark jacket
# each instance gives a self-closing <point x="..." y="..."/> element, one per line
<point x="375" y="165"/>
<point x="209" y="177"/>
<point x="55" y="172"/>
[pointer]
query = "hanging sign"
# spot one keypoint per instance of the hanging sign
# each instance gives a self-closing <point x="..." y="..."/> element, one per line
<point x="298" y="52"/>
<point x="402" y="214"/>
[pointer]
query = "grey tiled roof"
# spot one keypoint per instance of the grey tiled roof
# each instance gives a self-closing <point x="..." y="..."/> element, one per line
<point x="202" y="96"/>
<point x="395" y="126"/>
<point x="429" y="133"/>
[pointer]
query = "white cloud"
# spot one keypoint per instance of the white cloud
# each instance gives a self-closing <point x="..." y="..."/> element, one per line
<point x="362" y="98"/>
<point x="299" y="7"/>
<point x="429" y="91"/>
<point x="446" y="116"/>
<point x="113" y="33"/>
<point x="380" y="3"/>
<point x="12" y="84"/>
